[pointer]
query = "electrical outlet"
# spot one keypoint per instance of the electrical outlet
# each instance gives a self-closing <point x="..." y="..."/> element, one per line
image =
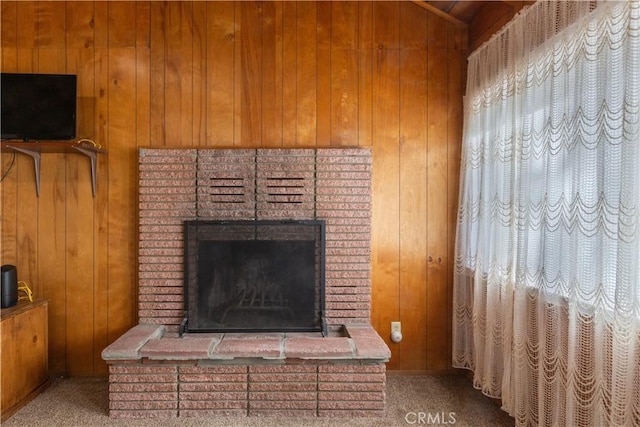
<point x="396" y="327"/>
<point x="396" y="332"/>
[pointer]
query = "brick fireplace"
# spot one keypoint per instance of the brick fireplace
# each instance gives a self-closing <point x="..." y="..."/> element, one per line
<point x="154" y="372"/>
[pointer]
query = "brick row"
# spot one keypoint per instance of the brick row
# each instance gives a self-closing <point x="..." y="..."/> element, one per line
<point x="158" y="275"/>
<point x="160" y="287"/>
<point x="167" y="390"/>
<point x="137" y="391"/>
<point x="351" y="390"/>
<point x="295" y="390"/>
<point x="213" y="390"/>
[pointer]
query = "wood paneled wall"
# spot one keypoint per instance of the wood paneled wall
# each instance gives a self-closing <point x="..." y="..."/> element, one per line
<point x="246" y="74"/>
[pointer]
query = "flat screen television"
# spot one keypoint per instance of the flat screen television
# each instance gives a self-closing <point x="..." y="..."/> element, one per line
<point x="38" y="106"/>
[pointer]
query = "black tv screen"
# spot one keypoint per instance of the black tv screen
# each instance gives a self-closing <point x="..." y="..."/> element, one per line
<point x="38" y="106"/>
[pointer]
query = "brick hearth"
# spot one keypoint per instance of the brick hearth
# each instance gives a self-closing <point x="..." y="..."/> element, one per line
<point x="155" y="373"/>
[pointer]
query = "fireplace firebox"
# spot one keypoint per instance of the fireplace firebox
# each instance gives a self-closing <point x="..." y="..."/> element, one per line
<point x="254" y="276"/>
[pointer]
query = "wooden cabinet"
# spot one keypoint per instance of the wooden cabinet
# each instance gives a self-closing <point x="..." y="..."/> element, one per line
<point x="23" y="350"/>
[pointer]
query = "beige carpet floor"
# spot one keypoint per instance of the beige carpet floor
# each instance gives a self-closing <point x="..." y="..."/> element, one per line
<point x="411" y="400"/>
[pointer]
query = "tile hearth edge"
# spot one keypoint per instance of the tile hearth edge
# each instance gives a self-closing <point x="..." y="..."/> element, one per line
<point x="356" y="343"/>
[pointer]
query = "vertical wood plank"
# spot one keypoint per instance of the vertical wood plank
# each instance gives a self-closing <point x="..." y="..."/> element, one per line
<point x="220" y="72"/>
<point x="157" y="113"/>
<point x="122" y="24"/>
<point x="27" y="36"/>
<point x="457" y="37"/>
<point x="386" y="32"/>
<point x="199" y="85"/>
<point x="100" y="225"/>
<point x="365" y="73"/>
<point x="79" y="202"/>
<point x="121" y="216"/>
<point x="50" y="25"/>
<point x="237" y="74"/>
<point x="344" y="73"/>
<point x="101" y="205"/>
<point x="80" y="37"/>
<point x="143" y="24"/>
<point x="413" y="191"/>
<point x="101" y="24"/>
<point x="51" y="222"/>
<point x="186" y="73"/>
<point x="9" y="28"/>
<point x="289" y="72"/>
<point x="27" y="231"/>
<point x="251" y="74"/>
<point x="323" y="76"/>
<point x="437" y="186"/>
<point x="8" y="195"/>
<point x="8" y="189"/>
<point x="178" y="73"/>
<point x="143" y="74"/>
<point x="79" y="24"/>
<point x="437" y="31"/>
<point x="272" y="70"/>
<point x="385" y="180"/>
<point x="51" y="256"/>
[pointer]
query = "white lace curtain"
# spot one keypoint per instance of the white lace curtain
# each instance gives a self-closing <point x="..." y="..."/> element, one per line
<point x="547" y="273"/>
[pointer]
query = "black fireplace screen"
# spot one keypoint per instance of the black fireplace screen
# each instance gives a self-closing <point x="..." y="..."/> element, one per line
<point x="254" y="276"/>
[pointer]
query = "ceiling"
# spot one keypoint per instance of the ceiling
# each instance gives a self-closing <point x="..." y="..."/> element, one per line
<point x="461" y="10"/>
<point x="482" y="18"/>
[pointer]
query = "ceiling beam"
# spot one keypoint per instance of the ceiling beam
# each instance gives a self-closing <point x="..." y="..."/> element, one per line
<point x="518" y="4"/>
<point x="439" y="12"/>
<point x="465" y="10"/>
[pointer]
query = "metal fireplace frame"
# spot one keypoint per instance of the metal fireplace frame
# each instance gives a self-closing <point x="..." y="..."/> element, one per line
<point x="320" y="226"/>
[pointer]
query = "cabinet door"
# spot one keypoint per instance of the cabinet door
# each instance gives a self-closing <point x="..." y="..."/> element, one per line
<point x="9" y="362"/>
<point x="31" y="349"/>
<point x="24" y="356"/>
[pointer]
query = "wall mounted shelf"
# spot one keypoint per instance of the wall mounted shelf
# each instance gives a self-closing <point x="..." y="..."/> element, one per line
<point x="35" y="149"/>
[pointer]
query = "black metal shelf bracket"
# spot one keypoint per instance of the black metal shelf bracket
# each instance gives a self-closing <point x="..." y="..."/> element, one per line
<point x="35" y="150"/>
